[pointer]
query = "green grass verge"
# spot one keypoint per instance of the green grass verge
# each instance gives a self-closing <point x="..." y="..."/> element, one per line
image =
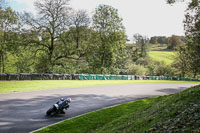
<point x="19" y="86"/>
<point x="165" y="56"/>
<point x="173" y="113"/>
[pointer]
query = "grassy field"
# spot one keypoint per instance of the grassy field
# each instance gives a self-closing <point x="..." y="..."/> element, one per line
<point x="165" y="56"/>
<point x="159" y="52"/>
<point x="158" y="47"/>
<point x="18" y="86"/>
<point x="173" y="113"/>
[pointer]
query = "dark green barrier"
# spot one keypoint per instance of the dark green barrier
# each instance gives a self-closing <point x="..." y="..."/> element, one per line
<point x="46" y="76"/>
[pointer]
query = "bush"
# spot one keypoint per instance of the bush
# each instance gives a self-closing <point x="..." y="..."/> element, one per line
<point x="144" y="61"/>
<point x="159" y="68"/>
<point x="137" y="70"/>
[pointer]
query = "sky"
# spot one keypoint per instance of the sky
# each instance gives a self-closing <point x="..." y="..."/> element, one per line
<point x="146" y="17"/>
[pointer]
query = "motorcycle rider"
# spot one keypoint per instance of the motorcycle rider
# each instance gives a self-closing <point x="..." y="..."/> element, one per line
<point x="63" y="104"/>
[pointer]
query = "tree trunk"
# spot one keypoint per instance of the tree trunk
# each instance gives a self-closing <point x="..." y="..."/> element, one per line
<point x="0" y="64"/>
<point x="195" y="74"/>
<point x="3" y="63"/>
<point x="77" y="37"/>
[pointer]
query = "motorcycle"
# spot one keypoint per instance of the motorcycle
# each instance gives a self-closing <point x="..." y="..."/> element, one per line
<point x="59" y="107"/>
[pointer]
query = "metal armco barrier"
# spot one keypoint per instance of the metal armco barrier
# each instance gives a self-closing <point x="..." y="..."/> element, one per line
<point x="47" y="76"/>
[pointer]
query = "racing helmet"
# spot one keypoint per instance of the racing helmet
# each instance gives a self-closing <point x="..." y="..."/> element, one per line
<point x="69" y="100"/>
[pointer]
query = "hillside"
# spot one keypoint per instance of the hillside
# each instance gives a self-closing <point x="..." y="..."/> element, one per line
<point x="174" y="113"/>
<point x="165" y="56"/>
<point x="158" y="52"/>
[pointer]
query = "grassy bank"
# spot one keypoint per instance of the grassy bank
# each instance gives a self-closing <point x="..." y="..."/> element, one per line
<point x="165" y="56"/>
<point x="173" y="113"/>
<point x="18" y="86"/>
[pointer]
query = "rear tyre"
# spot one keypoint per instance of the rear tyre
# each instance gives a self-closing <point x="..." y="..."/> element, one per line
<point x="49" y="111"/>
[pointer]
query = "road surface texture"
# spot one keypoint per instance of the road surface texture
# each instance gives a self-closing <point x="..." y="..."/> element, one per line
<point x="23" y="112"/>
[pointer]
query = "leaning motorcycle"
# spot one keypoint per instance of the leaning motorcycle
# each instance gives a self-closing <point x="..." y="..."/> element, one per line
<point x="59" y="107"/>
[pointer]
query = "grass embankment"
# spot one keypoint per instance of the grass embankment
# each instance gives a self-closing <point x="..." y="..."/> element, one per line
<point x="173" y="113"/>
<point x="19" y="86"/>
<point x="165" y="56"/>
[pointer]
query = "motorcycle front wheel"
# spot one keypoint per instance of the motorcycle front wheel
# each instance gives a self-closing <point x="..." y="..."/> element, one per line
<point x="49" y="111"/>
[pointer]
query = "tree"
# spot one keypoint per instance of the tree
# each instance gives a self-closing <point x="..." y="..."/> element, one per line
<point x="80" y="21"/>
<point x="174" y="41"/>
<point x="162" y="40"/>
<point x="192" y="21"/>
<point x="153" y="40"/>
<point x="191" y="52"/>
<point x="192" y="32"/>
<point x="181" y="61"/>
<point x="50" y="24"/>
<point x="77" y="38"/>
<point x="110" y="37"/>
<point x="141" y="46"/>
<point x="9" y="21"/>
<point x="137" y="70"/>
<point x="159" y="39"/>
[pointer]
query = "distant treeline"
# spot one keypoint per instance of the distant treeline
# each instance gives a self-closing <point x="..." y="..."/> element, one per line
<point x="172" y="41"/>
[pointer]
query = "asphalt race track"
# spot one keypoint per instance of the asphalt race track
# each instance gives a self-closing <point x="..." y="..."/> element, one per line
<point x="24" y="112"/>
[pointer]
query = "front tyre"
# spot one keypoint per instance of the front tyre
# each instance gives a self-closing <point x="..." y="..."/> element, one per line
<point x="49" y="111"/>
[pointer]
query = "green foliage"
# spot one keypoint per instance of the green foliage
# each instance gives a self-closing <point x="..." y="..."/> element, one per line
<point x="23" y="61"/>
<point x="111" y="37"/>
<point x="180" y="63"/>
<point x="137" y="70"/>
<point x="148" y="66"/>
<point x="188" y="59"/>
<point x="48" y="27"/>
<point x="153" y="40"/>
<point x="9" y="20"/>
<point x="159" y="39"/>
<point x="152" y="65"/>
<point x="192" y="27"/>
<point x="159" y="68"/>
<point x="141" y="48"/>
<point x="63" y="41"/>
<point x="174" y="41"/>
